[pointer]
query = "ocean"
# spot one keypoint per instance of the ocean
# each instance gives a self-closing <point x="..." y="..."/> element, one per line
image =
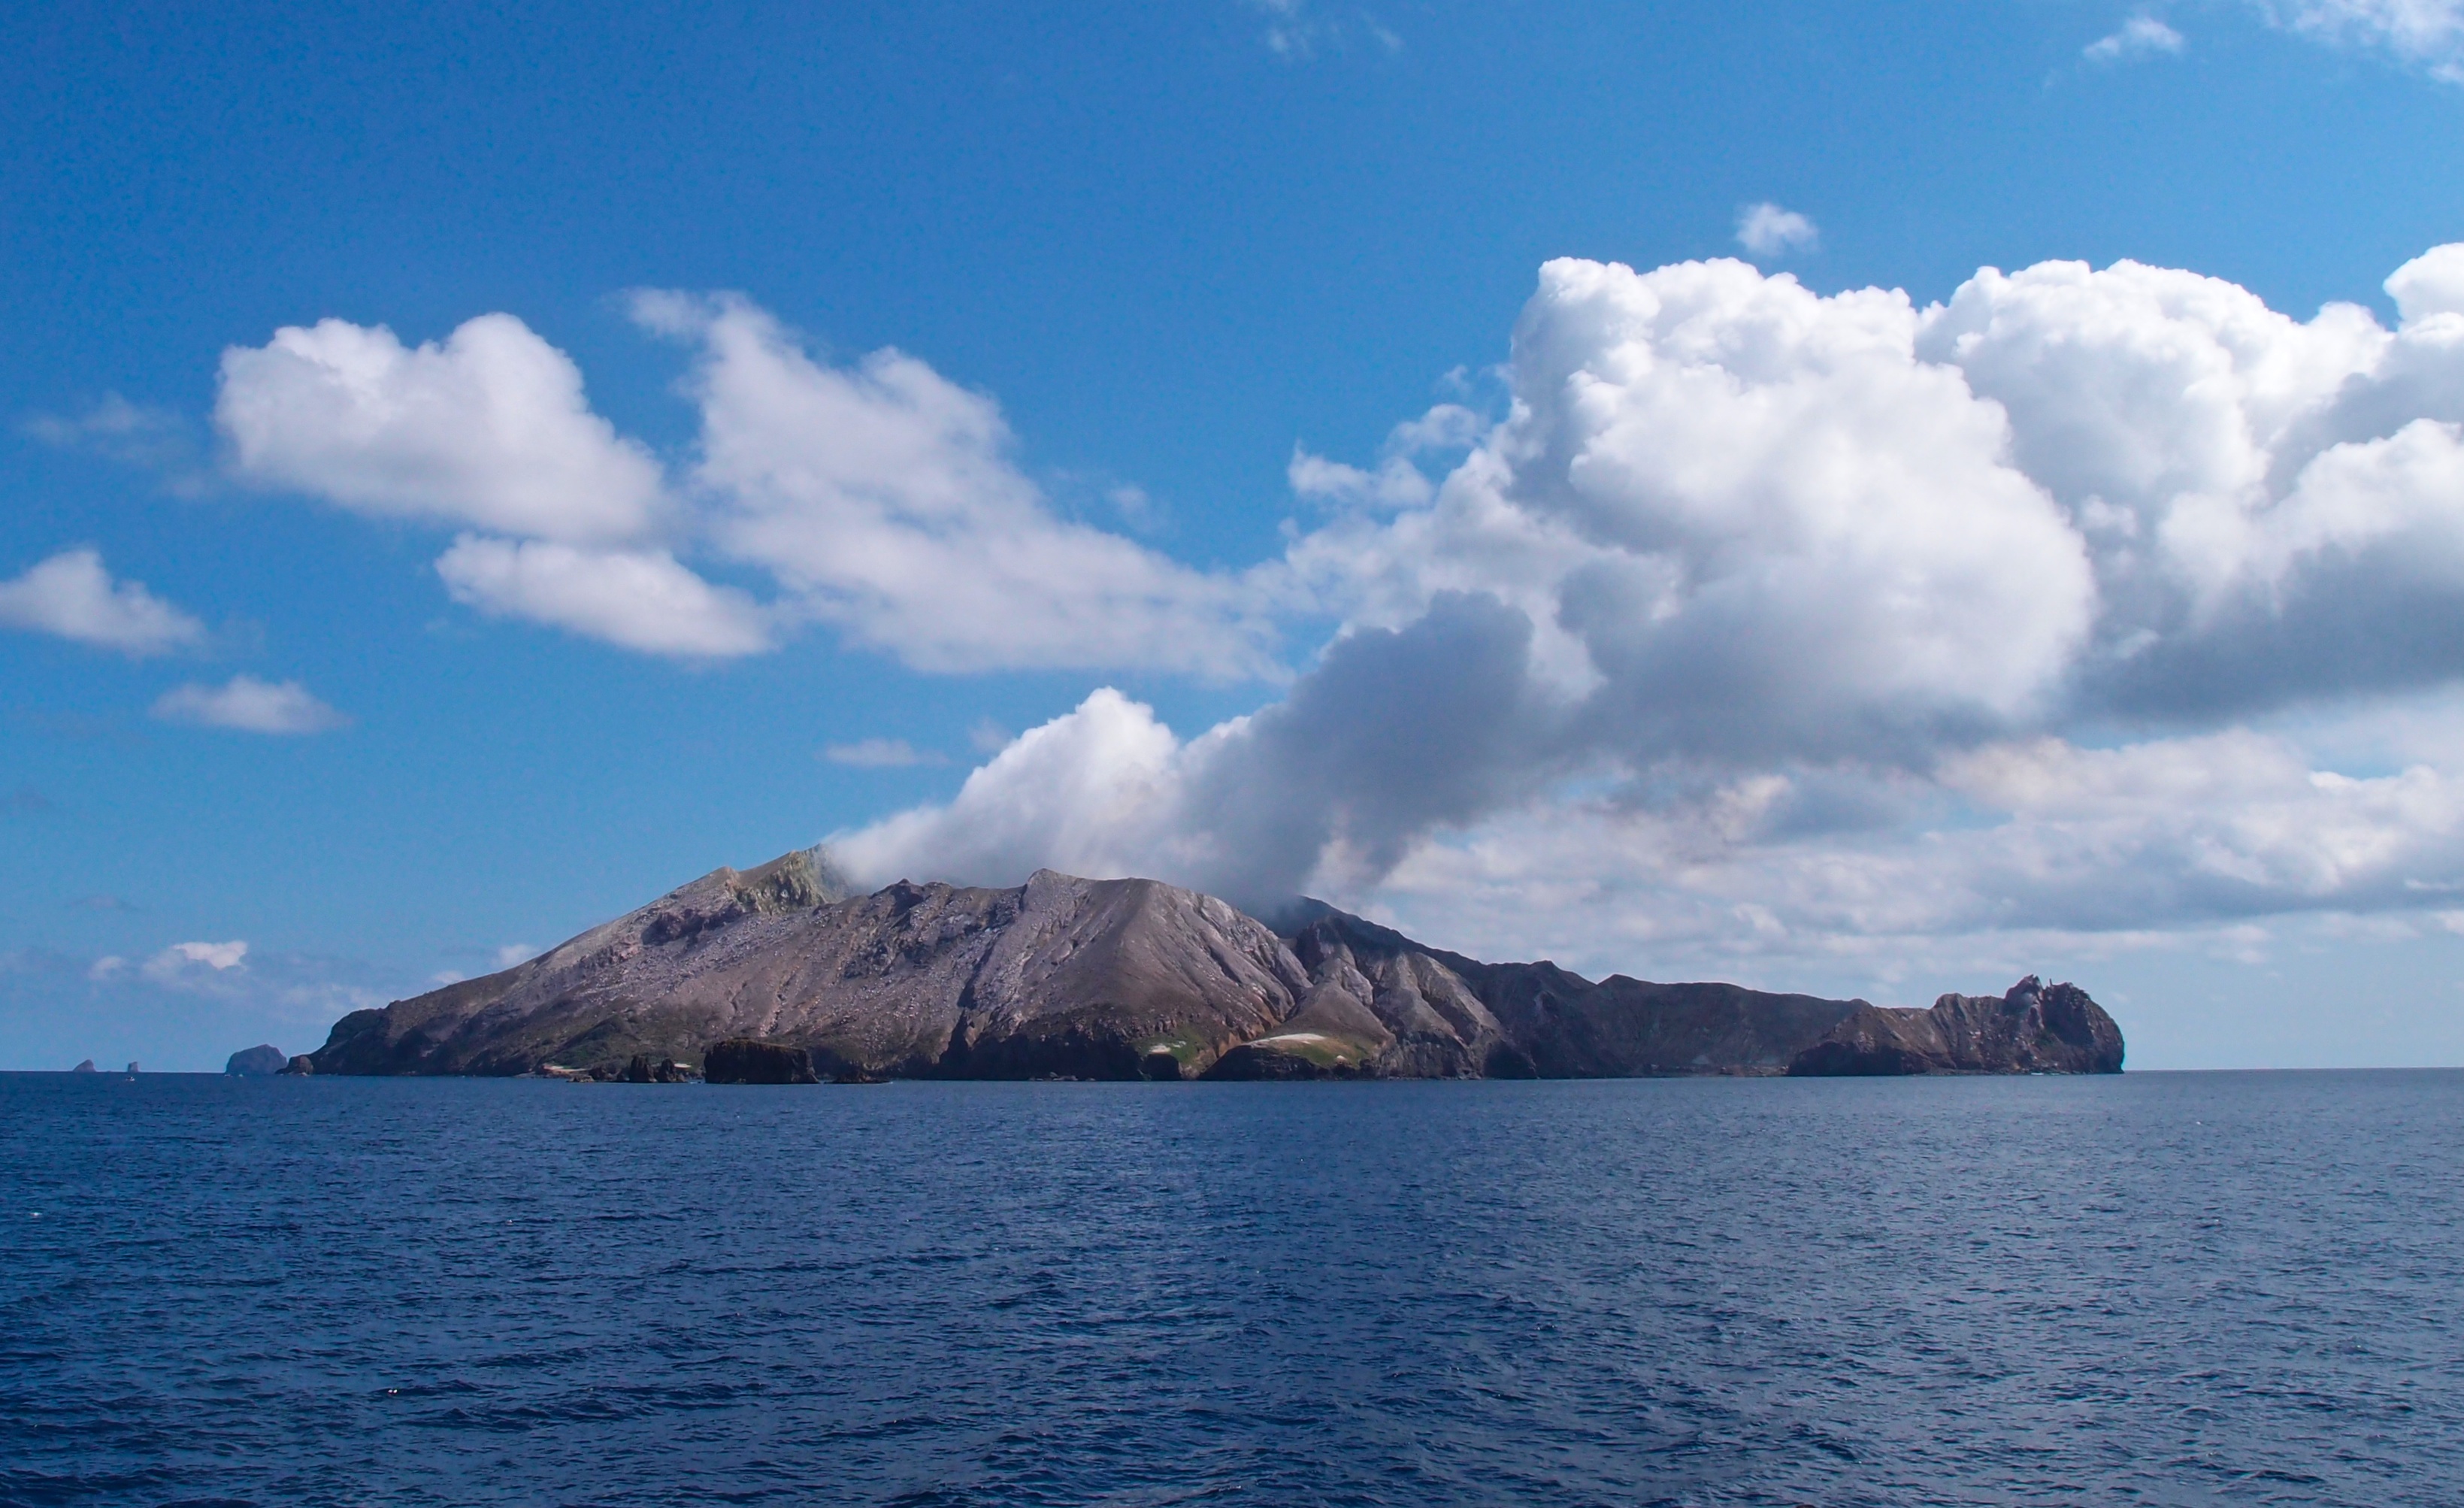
<point x="2151" y="1289"/>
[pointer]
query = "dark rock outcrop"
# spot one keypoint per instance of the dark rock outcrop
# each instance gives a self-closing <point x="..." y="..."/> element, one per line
<point x="261" y="1061"/>
<point x="2032" y="1028"/>
<point x="780" y="975"/>
<point x="644" y="1070"/>
<point x="86" y="1067"/>
<point x="741" y="1060"/>
<point x="300" y="1063"/>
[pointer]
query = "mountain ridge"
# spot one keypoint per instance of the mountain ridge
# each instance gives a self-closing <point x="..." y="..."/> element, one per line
<point x="1131" y="979"/>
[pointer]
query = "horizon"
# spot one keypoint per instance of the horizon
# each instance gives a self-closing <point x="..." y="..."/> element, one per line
<point x="1867" y="508"/>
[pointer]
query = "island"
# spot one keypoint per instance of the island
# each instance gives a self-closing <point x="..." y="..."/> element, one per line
<point x="787" y="974"/>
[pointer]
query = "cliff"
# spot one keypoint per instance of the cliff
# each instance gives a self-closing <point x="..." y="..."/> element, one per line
<point x="782" y="974"/>
<point x="2032" y="1028"/>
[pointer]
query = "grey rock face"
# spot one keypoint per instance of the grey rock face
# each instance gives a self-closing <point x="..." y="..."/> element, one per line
<point x="1447" y="1015"/>
<point x="779" y="970"/>
<point x="2032" y="1028"/>
<point x="85" y="1067"/>
<point x="1090" y="978"/>
<point x="261" y="1061"/>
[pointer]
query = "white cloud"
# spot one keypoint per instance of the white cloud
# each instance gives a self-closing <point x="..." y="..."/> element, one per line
<point x="879" y="497"/>
<point x="2430" y="286"/>
<point x="882" y="497"/>
<point x="2428" y="33"/>
<point x="157" y="439"/>
<point x="880" y="754"/>
<point x="638" y="599"/>
<point x="1767" y="231"/>
<point x="1092" y="793"/>
<point x="488" y="429"/>
<point x="2140" y="36"/>
<point x="73" y="596"/>
<point x="1780" y="623"/>
<point x="514" y="953"/>
<point x="250" y="705"/>
<point x="1760" y="620"/>
<point x="1297" y="31"/>
<point x="180" y="962"/>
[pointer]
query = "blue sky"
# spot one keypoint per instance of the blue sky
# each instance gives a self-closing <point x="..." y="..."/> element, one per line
<point x="1171" y="248"/>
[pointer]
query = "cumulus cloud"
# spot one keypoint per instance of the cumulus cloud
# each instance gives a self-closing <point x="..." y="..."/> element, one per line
<point x="71" y="595"/>
<point x="1792" y="620"/>
<point x="1767" y="231"/>
<point x="2140" y="36"/>
<point x="489" y="429"/>
<point x="287" y="991"/>
<point x="249" y="705"/>
<point x="639" y="599"/>
<point x="2428" y="33"/>
<point x="1752" y="613"/>
<point x="883" y="499"/>
<point x="182" y="961"/>
<point x="880" y="754"/>
<point x="2430" y="286"/>
<point x="878" y="497"/>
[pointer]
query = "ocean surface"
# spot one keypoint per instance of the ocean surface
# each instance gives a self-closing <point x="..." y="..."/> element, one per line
<point x="2159" y="1288"/>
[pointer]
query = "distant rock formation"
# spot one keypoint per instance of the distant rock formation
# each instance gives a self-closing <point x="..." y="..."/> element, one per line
<point x="642" y="1069"/>
<point x="2032" y="1028"/>
<point x="132" y="1068"/>
<point x="300" y="1063"/>
<point x="261" y="1061"/>
<point x="781" y="975"/>
<point x="86" y="1067"/>
<point x="741" y="1060"/>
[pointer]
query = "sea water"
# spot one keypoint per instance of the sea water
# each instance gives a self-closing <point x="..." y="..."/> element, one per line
<point x="2209" y="1288"/>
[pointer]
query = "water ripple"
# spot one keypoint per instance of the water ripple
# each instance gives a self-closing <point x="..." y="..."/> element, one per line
<point x="2208" y="1289"/>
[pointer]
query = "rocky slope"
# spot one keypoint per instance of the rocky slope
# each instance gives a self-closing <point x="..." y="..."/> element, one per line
<point x="1113" y="978"/>
<point x="1127" y="978"/>
<point x="2031" y="1029"/>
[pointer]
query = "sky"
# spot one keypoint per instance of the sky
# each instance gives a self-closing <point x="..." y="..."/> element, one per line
<point x="1870" y="500"/>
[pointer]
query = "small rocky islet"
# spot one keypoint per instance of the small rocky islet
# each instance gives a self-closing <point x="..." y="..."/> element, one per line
<point x="786" y="974"/>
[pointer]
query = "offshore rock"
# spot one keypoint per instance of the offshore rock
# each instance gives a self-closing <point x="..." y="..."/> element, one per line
<point x="2032" y="1028"/>
<point x="86" y="1067"/>
<point x="300" y="1064"/>
<point x="643" y="1069"/>
<point x="261" y="1061"/>
<point x="740" y="1061"/>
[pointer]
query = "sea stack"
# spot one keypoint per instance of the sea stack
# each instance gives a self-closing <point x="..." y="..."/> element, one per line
<point x="261" y="1061"/>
